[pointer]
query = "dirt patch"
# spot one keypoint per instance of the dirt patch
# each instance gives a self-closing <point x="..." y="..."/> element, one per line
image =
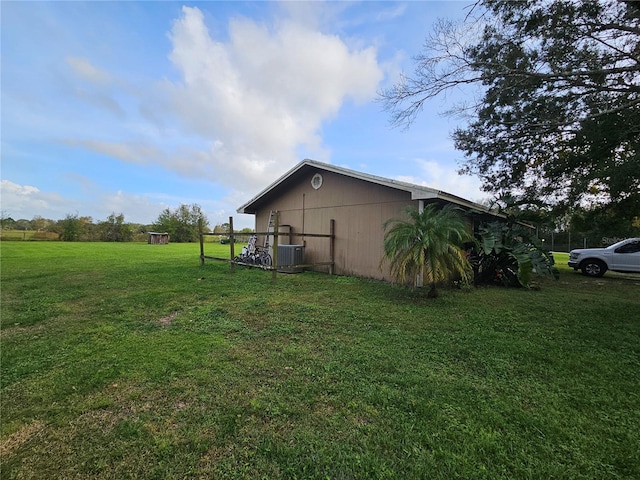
<point x="19" y="438"/>
<point x="166" y="321"/>
<point x="11" y="331"/>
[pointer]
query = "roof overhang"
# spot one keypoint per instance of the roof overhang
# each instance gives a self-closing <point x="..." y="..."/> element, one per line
<point x="418" y="192"/>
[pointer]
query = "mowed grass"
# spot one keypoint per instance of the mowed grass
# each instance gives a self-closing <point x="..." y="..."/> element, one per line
<point x="133" y="361"/>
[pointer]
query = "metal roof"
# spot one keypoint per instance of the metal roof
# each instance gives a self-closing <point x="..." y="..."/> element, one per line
<point x="418" y="192"/>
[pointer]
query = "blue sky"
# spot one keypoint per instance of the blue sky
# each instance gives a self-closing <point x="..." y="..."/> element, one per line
<point x="133" y="107"/>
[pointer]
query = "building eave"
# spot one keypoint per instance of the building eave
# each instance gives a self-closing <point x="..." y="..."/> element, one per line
<point x="418" y="192"/>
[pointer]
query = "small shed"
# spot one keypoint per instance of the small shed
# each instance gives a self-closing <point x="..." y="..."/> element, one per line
<point x="312" y="194"/>
<point x="156" y="238"/>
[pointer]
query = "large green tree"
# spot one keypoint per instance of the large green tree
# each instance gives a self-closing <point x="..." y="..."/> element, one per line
<point x="428" y="245"/>
<point x="182" y="224"/>
<point x="71" y="228"/>
<point x="6" y="221"/>
<point x="114" y="229"/>
<point x="554" y="105"/>
<point x="597" y="224"/>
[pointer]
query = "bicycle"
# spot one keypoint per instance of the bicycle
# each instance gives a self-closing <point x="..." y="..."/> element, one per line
<point x="263" y="257"/>
<point x="254" y="255"/>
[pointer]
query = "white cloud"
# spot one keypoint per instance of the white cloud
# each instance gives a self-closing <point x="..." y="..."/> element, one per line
<point x="262" y="95"/>
<point x="102" y="101"/>
<point x="85" y="70"/>
<point x="26" y="201"/>
<point x="20" y="201"/>
<point x="136" y="208"/>
<point x="314" y="15"/>
<point x="391" y="13"/>
<point x="446" y="178"/>
<point x="129" y="151"/>
<point x="245" y="107"/>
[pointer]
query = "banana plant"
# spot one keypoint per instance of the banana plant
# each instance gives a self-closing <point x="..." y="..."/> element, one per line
<point x="509" y="253"/>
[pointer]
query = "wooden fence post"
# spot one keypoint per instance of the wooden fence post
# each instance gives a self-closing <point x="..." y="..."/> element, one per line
<point x="332" y="228"/>
<point x="231" y="246"/>
<point x="201" y="249"/>
<point x="276" y="231"/>
<point x="200" y="231"/>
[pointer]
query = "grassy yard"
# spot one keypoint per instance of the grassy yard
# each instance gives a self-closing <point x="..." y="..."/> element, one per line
<point x="132" y="361"/>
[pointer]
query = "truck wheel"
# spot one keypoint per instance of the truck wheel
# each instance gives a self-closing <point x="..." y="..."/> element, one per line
<point x="593" y="268"/>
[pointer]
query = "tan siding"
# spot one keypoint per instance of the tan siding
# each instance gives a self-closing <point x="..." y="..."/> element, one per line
<point x="359" y="209"/>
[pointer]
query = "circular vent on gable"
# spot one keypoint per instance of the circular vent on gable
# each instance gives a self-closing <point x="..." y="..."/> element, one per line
<point x="316" y="181"/>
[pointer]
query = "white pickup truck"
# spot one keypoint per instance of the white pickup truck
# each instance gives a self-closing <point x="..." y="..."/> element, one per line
<point x="623" y="256"/>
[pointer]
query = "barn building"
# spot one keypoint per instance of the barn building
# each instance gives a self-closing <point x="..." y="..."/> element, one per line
<point x="313" y="193"/>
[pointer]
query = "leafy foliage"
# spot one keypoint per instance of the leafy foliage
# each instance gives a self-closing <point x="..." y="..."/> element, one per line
<point x="182" y="224"/>
<point x="71" y="227"/>
<point x="558" y="116"/>
<point x="509" y="253"/>
<point x="601" y="222"/>
<point x="428" y="243"/>
<point x="114" y="229"/>
<point x="6" y="221"/>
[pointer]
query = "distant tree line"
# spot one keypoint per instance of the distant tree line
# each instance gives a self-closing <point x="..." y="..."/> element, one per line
<point x="183" y="224"/>
<point x="74" y="228"/>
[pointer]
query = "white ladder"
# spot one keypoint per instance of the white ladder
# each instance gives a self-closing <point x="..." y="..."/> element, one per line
<point x="268" y="239"/>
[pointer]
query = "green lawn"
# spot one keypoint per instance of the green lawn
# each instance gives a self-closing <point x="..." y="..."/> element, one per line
<point x="133" y="361"/>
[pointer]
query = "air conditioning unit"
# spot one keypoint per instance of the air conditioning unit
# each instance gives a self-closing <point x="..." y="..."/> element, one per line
<point x="289" y="256"/>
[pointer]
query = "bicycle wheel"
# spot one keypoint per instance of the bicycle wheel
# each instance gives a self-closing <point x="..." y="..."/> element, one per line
<point x="266" y="259"/>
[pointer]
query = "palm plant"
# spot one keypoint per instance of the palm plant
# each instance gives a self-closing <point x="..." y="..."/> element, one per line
<point x="428" y="245"/>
